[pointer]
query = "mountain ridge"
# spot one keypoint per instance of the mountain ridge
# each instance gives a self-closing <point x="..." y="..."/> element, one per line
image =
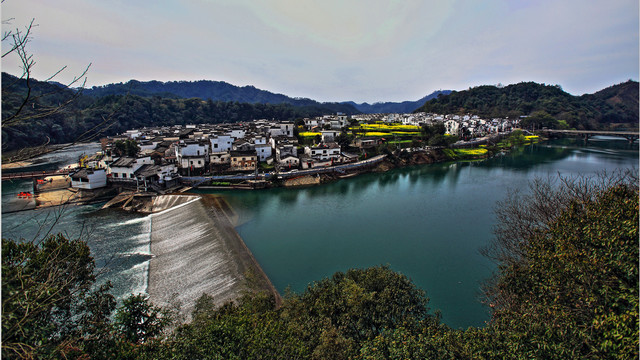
<point x="224" y="91"/>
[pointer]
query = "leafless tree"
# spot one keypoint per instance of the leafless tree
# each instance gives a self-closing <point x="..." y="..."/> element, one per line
<point x="16" y="41"/>
<point x="520" y="216"/>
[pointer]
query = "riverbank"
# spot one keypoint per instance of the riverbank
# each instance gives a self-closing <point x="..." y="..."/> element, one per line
<point x="196" y="250"/>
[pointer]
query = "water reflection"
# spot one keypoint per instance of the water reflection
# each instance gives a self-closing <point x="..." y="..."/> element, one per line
<point x="425" y="221"/>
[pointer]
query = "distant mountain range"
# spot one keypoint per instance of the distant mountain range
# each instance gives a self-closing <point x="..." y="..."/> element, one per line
<point x="114" y="108"/>
<point x="396" y="107"/>
<point x="223" y="91"/>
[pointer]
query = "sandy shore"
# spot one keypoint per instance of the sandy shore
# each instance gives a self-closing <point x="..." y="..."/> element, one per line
<point x="17" y="164"/>
<point x="196" y="250"/>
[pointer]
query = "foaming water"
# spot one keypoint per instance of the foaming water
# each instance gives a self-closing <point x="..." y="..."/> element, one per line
<point x="166" y="203"/>
<point x="193" y="255"/>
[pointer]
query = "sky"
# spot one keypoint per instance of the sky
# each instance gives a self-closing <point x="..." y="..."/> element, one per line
<point x="333" y="50"/>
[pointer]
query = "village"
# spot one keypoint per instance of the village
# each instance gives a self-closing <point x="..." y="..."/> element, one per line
<point x="163" y="159"/>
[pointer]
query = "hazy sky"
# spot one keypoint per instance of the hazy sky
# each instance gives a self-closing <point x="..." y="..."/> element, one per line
<point x="335" y="50"/>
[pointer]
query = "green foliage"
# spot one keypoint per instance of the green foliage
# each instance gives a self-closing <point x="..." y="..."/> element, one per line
<point x="126" y="148"/>
<point x="138" y="320"/>
<point x="358" y="304"/>
<point x="343" y="139"/>
<point x="574" y="292"/>
<point x="429" y="131"/>
<point x="51" y="308"/>
<point x="43" y="287"/>
<point x="252" y="329"/>
<point x="215" y="91"/>
<point x="516" y="138"/>
<point x="617" y="104"/>
<point x="539" y="120"/>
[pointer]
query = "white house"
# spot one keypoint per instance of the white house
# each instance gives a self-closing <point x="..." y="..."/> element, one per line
<point x="237" y="133"/>
<point x="311" y="123"/>
<point x="147" y="144"/>
<point x="323" y="151"/>
<point x="263" y="151"/>
<point x="125" y="167"/>
<point x="149" y="174"/>
<point x="133" y="134"/>
<point x="329" y="135"/>
<point x="275" y="131"/>
<point x="221" y="143"/>
<point x="284" y="150"/>
<point x="452" y="127"/>
<point x="289" y="162"/>
<point x="286" y="128"/>
<point x="339" y="122"/>
<point x="89" y="179"/>
<point x="192" y="156"/>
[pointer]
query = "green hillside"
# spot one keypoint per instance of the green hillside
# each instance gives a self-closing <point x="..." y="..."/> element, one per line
<point x="610" y="107"/>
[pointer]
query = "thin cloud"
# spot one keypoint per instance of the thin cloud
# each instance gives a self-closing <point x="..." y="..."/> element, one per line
<point x="335" y="50"/>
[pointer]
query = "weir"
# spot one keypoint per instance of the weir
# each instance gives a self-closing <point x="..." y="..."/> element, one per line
<point x="197" y="251"/>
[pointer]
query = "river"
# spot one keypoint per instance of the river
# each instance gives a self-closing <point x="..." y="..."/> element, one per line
<point x="427" y="222"/>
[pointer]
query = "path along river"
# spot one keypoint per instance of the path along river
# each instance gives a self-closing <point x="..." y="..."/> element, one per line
<point x="427" y="222"/>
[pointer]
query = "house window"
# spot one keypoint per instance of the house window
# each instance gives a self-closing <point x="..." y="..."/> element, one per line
<point x="215" y="146"/>
<point x="115" y="175"/>
<point x="198" y="162"/>
<point x="124" y="175"/>
<point x="191" y="162"/>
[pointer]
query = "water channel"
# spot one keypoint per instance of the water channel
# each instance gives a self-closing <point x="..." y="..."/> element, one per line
<point x="427" y="222"/>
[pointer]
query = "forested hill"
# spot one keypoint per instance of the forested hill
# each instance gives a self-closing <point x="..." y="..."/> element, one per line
<point x="59" y="115"/>
<point x="396" y="107"/>
<point x="223" y="91"/>
<point x="211" y="90"/>
<point x="617" y="104"/>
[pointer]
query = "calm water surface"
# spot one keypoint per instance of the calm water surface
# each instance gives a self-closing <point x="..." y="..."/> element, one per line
<point x="427" y="222"/>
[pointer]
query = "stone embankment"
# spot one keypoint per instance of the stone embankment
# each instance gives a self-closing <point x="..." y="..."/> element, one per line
<point x="307" y="180"/>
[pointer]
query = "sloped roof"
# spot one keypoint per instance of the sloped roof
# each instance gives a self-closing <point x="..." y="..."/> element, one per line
<point x="124" y="162"/>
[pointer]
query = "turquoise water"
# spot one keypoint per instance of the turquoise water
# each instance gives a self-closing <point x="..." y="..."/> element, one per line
<point x="427" y="222"/>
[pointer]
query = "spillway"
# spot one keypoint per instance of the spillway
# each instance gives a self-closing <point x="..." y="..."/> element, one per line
<point x="195" y="251"/>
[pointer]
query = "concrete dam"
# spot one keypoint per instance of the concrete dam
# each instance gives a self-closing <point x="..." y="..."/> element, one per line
<point x="196" y="251"/>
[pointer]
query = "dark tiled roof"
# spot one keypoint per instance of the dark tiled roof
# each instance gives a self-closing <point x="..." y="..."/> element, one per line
<point x="243" y="153"/>
<point x="124" y="162"/>
<point x="148" y="170"/>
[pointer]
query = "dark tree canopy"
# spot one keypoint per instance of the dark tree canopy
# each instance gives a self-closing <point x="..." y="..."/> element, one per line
<point x="616" y="104"/>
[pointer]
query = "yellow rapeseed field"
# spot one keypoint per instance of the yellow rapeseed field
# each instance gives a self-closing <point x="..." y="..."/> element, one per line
<point x="471" y="152"/>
